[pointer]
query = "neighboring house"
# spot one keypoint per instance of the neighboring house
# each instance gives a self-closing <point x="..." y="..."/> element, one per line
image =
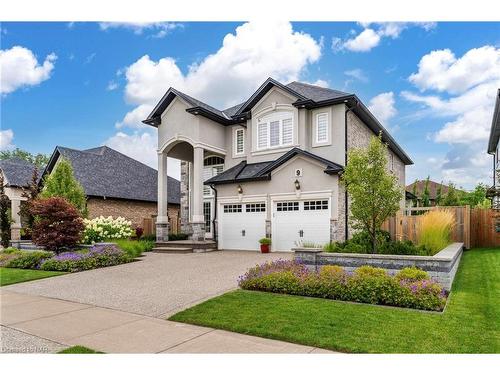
<point x="433" y="190"/>
<point x="494" y="149"/>
<point x="17" y="174"/>
<point x="268" y="167"/>
<point x="117" y="185"/>
<point x="410" y="199"/>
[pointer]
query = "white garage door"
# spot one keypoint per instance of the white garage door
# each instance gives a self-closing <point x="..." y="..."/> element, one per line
<point x="242" y="225"/>
<point x="306" y="221"/>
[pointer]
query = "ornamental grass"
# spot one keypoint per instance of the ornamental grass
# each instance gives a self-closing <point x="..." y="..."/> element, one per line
<point x="434" y="228"/>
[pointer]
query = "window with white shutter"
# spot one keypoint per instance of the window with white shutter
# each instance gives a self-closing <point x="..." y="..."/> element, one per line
<point x="274" y="139"/>
<point x="322" y="127"/>
<point x="275" y="130"/>
<point x="262" y="136"/>
<point x="239" y="142"/>
<point x="287" y="126"/>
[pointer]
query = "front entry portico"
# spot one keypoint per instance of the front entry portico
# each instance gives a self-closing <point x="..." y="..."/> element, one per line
<point x="197" y="200"/>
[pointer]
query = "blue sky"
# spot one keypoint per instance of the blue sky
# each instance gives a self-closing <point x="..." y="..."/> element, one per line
<point x="81" y="85"/>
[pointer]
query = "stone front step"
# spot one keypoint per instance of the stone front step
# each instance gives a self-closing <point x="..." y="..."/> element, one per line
<point x="172" y="250"/>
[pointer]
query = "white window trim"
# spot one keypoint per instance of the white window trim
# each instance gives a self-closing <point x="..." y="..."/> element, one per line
<point x="235" y="142"/>
<point x="279" y="116"/>
<point x="316" y="129"/>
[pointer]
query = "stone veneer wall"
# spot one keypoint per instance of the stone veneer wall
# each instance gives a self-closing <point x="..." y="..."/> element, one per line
<point x="134" y="211"/>
<point x="441" y="267"/>
<point x="359" y="136"/>
<point x="184" y="209"/>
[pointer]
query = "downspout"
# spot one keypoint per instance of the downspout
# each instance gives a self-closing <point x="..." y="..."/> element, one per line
<point x="216" y="237"/>
<point x="346" y="200"/>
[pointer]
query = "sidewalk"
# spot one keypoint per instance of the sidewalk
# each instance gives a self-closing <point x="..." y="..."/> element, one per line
<point x="41" y="324"/>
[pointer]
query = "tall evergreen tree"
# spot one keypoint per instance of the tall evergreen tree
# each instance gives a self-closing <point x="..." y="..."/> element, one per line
<point x="4" y="215"/>
<point x="30" y="193"/>
<point x="62" y="183"/>
<point x="414" y="192"/>
<point x="451" y="198"/>
<point x="439" y="194"/>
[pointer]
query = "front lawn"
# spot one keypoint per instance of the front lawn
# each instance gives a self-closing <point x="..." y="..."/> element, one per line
<point x="79" y="350"/>
<point x="15" y="275"/>
<point x="470" y="323"/>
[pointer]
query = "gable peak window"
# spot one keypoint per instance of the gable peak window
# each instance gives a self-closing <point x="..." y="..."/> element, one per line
<point x="275" y="130"/>
<point x="322" y="128"/>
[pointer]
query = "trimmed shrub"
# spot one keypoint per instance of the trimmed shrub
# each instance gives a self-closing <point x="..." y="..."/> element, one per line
<point x="101" y="255"/>
<point x="28" y="259"/>
<point x="57" y="225"/>
<point x="106" y="228"/>
<point x="366" y="285"/>
<point x="412" y="274"/>
<point x="8" y="254"/>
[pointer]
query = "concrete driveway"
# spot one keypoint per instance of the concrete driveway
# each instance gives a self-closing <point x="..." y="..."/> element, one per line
<point x="158" y="285"/>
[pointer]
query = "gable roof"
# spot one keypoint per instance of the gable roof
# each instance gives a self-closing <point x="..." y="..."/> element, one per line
<point x="433" y="188"/>
<point x="308" y="96"/>
<point x="262" y="171"/>
<point x="495" y="126"/>
<point x="104" y="172"/>
<point x="17" y="172"/>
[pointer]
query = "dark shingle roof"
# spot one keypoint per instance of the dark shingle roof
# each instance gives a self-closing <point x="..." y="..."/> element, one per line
<point x="308" y="96"/>
<point x="18" y="172"/>
<point x="316" y="93"/>
<point x="104" y="172"/>
<point x="262" y="171"/>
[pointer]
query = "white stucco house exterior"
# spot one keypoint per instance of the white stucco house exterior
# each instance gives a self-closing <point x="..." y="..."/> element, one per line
<point x="268" y="167"/>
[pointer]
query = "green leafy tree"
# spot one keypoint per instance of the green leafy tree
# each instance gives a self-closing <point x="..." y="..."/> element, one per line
<point x="4" y="215"/>
<point x="439" y="194"/>
<point x="426" y="195"/>
<point x="40" y="160"/>
<point x="475" y="197"/>
<point x="452" y="197"/>
<point x="374" y="191"/>
<point x="62" y="183"/>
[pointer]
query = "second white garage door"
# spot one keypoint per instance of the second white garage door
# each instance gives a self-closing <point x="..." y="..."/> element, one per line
<point x="294" y="221"/>
<point x="242" y="225"/>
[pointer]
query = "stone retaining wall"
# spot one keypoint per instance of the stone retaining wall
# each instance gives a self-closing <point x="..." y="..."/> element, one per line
<point x="441" y="267"/>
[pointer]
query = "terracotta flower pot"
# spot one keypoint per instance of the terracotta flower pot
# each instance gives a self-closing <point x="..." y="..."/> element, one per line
<point x="264" y="248"/>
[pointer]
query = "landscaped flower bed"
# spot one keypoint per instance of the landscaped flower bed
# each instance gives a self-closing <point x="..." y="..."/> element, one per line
<point x="99" y="255"/>
<point x="410" y="287"/>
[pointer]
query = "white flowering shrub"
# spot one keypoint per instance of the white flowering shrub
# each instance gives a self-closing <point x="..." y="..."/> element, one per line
<point x="104" y="228"/>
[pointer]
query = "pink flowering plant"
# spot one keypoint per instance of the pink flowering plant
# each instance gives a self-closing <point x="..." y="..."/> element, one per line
<point x="366" y="284"/>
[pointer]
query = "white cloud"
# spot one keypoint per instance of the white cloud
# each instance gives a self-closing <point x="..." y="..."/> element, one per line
<point x="20" y="68"/>
<point x="112" y="85"/>
<point x="142" y="146"/>
<point x="466" y="90"/>
<point x="160" y="29"/>
<point x="6" y="137"/>
<point x="358" y="74"/>
<point x="133" y="119"/>
<point x="363" y="42"/>
<point x="246" y="58"/>
<point x="382" y="106"/>
<point x="442" y="71"/>
<point x="372" y="35"/>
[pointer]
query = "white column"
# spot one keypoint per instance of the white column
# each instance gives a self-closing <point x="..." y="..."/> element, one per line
<point x="197" y="208"/>
<point x="15" y="227"/>
<point x="162" y="189"/>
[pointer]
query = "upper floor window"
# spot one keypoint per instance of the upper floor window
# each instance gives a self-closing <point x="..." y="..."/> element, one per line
<point x="322" y="128"/>
<point x="275" y="130"/>
<point x="239" y="141"/>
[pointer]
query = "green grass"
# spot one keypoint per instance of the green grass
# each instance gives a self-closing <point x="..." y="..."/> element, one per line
<point x="469" y="324"/>
<point x="78" y="350"/>
<point x="16" y="275"/>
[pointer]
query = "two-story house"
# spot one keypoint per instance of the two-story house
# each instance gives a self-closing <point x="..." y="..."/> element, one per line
<point x="268" y="167"/>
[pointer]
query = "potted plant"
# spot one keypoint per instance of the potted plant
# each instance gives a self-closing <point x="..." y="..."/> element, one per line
<point x="264" y="244"/>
